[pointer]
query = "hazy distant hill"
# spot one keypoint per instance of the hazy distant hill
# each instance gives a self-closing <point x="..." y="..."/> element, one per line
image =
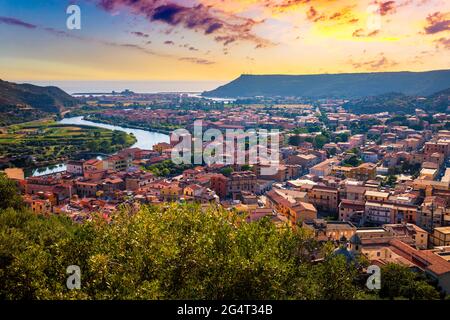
<point x="348" y="85"/>
<point x="398" y="102"/>
<point x="26" y="102"/>
<point x="45" y="99"/>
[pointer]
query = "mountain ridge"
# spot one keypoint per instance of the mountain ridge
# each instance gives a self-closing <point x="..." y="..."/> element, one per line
<point x="340" y="85"/>
<point x="46" y="99"/>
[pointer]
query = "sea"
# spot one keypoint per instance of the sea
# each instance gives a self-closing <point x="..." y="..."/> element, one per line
<point x="74" y="87"/>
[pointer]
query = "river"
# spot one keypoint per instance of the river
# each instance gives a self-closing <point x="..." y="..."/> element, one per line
<point x="145" y="140"/>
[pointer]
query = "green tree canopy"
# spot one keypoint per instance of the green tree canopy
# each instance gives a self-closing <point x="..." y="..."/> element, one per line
<point x="400" y="282"/>
<point x="9" y="193"/>
<point x="175" y="252"/>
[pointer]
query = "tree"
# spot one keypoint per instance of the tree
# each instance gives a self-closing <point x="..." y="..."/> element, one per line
<point x="119" y="137"/>
<point x="295" y="140"/>
<point x="389" y="181"/>
<point x="9" y="194"/>
<point x="320" y="140"/>
<point x="177" y="252"/>
<point x="353" y="161"/>
<point x="398" y="281"/>
<point x="227" y="171"/>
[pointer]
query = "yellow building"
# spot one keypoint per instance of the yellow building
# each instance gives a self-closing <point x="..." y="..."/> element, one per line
<point x="441" y="236"/>
<point x="171" y="192"/>
<point x="41" y="206"/>
<point x="364" y="172"/>
<point x="295" y="211"/>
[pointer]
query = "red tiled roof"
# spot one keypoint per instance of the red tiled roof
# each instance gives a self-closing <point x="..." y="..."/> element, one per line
<point x="423" y="258"/>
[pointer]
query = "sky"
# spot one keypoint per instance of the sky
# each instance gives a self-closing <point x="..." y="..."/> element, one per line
<point x="218" y="40"/>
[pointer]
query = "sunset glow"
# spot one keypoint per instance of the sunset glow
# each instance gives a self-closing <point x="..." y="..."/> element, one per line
<point x="219" y="40"/>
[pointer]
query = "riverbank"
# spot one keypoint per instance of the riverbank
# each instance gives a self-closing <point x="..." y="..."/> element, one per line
<point x="128" y="125"/>
<point x="145" y="139"/>
<point x="48" y="143"/>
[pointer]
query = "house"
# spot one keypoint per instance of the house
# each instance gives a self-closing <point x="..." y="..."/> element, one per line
<point x="324" y="198"/>
<point x="15" y="173"/>
<point x="441" y="236"/>
<point x="198" y="193"/>
<point x="171" y="192"/>
<point x="305" y="160"/>
<point x="87" y="188"/>
<point x="75" y="167"/>
<point x="371" y="195"/>
<point x="427" y="260"/>
<point x="434" y="212"/>
<point x="93" y="165"/>
<point x="349" y="210"/>
<point x="111" y="185"/>
<point x="378" y="213"/>
<point x="242" y="181"/>
<point x="117" y="163"/>
<point x="324" y="168"/>
<point x="408" y="233"/>
<point x="330" y="230"/>
<point x="294" y="211"/>
<point x="259" y="213"/>
<point x="365" y="171"/>
<point x="219" y="183"/>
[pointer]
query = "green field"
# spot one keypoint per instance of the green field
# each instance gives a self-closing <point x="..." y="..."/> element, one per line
<point x="48" y="141"/>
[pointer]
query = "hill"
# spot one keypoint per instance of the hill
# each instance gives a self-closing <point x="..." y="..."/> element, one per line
<point x="47" y="99"/>
<point x="26" y="102"/>
<point x="398" y="102"/>
<point x="346" y="85"/>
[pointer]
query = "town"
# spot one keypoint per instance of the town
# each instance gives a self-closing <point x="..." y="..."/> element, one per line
<point x="376" y="184"/>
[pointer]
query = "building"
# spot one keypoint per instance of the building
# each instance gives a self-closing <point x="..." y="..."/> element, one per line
<point x="408" y="233"/>
<point x="325" y="199"/>
<point x="378" y="213"/>
<point x="324" y="168"/>
<point x="117" y="163"/>
<point x="17" y="173"/>
<point x="337" y="231"/>
<point x="441" y="236"/>
<point x="441" y="146"/>
<point x="41" y="206"/>
<point x="283" y="172"/>
<point x="219" y="183"/>
<point x="433" y="212"/>
<point x="75" y="167"/>
<point x="93" y="165"/>
<point x="295" y="211"/>
<point x="371" y="195"/>
<point x="87" y="189"/>
<point x="351" y="210"/>
<point x="369" y="156"/>
<point x="162" y="146"/>
<point x="241" y="181"/>
<point x="171" y="192"/>
<point x="365" y="171"/>
<point x="305" y="160"/>
<point x="427" y="260"/>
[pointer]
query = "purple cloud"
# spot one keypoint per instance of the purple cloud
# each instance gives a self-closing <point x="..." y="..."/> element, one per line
<point x="437" y="22"/>
<point x="199" y="18"/>
<point x="16" y="22"/>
